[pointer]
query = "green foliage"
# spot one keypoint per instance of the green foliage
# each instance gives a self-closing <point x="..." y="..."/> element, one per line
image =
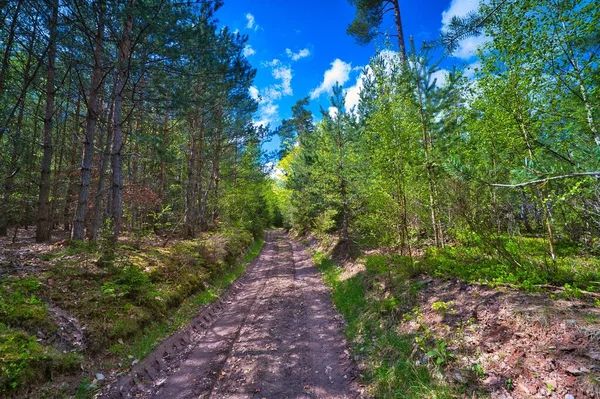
<point x="19" y="353"/>
<point x="443" y="307"/>
<point x="144" y="342"/>
<point x="477" y="265"/>
<point x="23" y="359"/>
<point x="426" y="164"/>
<point x="20" y="305"/>
<point x="390" y="371"/>
<point x="440" y="353"/>
<point x="86" y="389"/>
<point x="571" y="292"/>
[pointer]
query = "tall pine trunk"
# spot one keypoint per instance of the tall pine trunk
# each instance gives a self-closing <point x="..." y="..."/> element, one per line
<point x="43" y="229"/>
<point x="90" y="127"/>
<point x="71" y="180"/>
<point x="190" y="197"/>
<point x="99" y="211"/>
<point x="7" y="49"/>
<point x="124" y="50"/>
<point x="400" y="30"/>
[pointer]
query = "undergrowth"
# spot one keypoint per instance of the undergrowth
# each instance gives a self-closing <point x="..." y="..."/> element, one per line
<point x="152" y="335"/>
<point x="129" y="297"/>
<point x="373" y="308"/>
<point x="530" y="269"/>
<point x="375" y="303"/>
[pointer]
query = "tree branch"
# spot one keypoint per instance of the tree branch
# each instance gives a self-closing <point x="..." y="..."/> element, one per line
<point x="548" y="179"/>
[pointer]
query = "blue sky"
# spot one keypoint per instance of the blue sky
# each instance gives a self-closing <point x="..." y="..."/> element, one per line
<point x="300" y="48"/>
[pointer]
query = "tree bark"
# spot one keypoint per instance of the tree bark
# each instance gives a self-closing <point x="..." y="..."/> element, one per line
<point x="190" y="197"/>
<point x="90" y="127"/>
<point x="71" y="186"/>
<point x="427" y="146"/>
<point x="117" y="145"/>
<point x="43" y="228"/>
<point x="400" y="30"/>
<point x="99" y="210"/>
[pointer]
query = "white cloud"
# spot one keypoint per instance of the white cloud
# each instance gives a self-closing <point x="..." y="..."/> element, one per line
<point x="248" y="51"/>
<point x="441" y="77"/>
<point x="254" y="94"/>
<point x="251" y="22"/>
<point x="460" y="8"/>
<point x="272" y="63"/>
<point x="296" y="56"/>
<point x="268" y="112"/>
<point x="353" y="93"/>
<point x="338" y="73"/>
<point x="333" y="111"/>
<point x="470" y="70"/>
<point x="285" y="75"/>
<point x="467" y="47"/>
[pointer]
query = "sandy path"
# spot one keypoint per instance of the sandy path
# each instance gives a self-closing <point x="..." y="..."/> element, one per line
<point x="275" y="334"/>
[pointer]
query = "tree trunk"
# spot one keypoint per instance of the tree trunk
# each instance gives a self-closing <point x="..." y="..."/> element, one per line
<point x="190" y="192"/>
<point x="117" y="146"/>
<point x="216" y="172"/>
<point x="344" y="237"/>
<point x="90" y="127"/>
<point x="43" y="230"/>
<point x="71" y="186"/>
<point x="99" y="210"/>
<point x="427" y="144"/>
<point x="58" y="166"/>
<point x="400" y="30"/>
<point x="163" y="148"/>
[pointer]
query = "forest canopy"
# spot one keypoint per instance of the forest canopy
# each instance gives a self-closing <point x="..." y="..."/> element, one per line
<point x="127" y="116"/>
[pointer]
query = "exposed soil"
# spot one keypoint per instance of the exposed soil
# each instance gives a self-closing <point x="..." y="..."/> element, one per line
<point x="274" y="334"/>
<point x="528" y="345"/>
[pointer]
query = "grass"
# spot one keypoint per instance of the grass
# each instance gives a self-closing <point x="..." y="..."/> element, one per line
<point x="572" y="269"/>
<point x="372" y="310"/>
<point x="129" y="300"/>
<point x="153" y="335"/>
<point x="377" y="301"/>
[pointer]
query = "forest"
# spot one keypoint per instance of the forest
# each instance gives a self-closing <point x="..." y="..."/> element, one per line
<point x="136" y="188"/>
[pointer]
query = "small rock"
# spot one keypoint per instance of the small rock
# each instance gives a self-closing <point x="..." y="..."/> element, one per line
<point x="459" y="378"/>
<point x="577" y="370"/>
<point x="136" y="361"/>
<point x="593" y="355"/>
<point x="570" y="323"/>
<point x="569" y="396"/>
<point x="492" y="380"/>
<point x="99" y="376"/>
<point x="523" y="388"/>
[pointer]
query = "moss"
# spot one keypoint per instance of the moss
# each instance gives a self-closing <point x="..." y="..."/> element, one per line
<point x="128" y="304"/>
<point x="21" y="307"/>
<point x="23" y="359"/>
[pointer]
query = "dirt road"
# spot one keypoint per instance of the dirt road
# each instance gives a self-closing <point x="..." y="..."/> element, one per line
<point x="275" y="334"/>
